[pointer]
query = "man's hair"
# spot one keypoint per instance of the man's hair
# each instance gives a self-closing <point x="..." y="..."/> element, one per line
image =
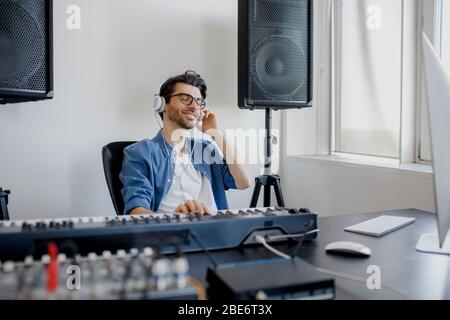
<point x="189" y="77"/>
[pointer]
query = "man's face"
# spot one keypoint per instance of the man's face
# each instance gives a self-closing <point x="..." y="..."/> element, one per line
<point x="182" y="115"/>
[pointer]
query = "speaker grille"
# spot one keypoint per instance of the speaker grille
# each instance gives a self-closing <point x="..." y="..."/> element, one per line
<point x="280" y="66"/>
<point x="23" y="45"/>
<point x="279" y="50"/>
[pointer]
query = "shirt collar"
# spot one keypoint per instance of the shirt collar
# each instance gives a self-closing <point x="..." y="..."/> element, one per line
<point x="165" y="145"/>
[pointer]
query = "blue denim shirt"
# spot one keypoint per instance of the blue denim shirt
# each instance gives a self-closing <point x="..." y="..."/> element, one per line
<point x="148" y="169"/>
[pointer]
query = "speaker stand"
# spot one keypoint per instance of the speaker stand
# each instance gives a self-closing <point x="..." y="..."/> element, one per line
<point x="267" y="180"/>
<point x="4" y="215"/>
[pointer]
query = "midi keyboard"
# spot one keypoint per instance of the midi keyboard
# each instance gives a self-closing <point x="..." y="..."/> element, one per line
<point x="169" y="233"/>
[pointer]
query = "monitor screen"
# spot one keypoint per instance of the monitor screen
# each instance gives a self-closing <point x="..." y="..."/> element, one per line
<point x="438" y="87"/>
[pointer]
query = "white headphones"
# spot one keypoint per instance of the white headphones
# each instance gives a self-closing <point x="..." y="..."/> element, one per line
<point x="159" y="104"/>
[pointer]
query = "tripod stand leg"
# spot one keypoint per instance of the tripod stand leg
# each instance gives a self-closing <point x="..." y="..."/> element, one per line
<point x="278" y="193"/>
<point x="267" y="195"/>
<point x="255" y="195"/>
<point x="4" y="215"/>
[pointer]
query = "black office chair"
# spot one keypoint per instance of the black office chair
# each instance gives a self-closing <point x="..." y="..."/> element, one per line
<point x="112" y="155"/>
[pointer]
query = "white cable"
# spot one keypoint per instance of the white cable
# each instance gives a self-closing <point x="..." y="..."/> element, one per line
<point x="262" y="241"/>
<point x="361" y="280"/>
<point x="288" y="236"/>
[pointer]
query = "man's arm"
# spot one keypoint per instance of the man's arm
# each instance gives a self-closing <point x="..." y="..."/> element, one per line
<point x="238" y="171"/>
<point x="137" y="189"/>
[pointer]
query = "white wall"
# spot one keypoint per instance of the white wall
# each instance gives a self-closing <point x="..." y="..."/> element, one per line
<point x="330" y="188"/>
<point x="105" y="77"/>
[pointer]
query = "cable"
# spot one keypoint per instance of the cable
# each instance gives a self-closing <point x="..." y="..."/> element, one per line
<point x="262" y="241"/>
<point x="195" y="237"/>
<point x="289" y="236"/>
<point x="361" y="280"/>
<point x="292" y="236"/>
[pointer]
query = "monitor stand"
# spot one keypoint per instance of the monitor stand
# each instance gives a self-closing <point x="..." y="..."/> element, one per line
<point x="429" y="243"/>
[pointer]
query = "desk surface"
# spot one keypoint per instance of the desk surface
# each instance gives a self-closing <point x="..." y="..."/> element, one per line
<point x="415" y="274"/>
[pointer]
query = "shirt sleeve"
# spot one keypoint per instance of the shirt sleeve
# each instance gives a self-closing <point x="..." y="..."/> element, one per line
<point x="228" y="180"/>
<point x="138" y="190"/>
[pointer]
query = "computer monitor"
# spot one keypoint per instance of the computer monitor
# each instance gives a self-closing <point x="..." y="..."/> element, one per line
<point x="438" y="87"/>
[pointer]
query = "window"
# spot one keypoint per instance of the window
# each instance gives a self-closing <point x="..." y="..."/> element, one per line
<point x="371" y="57"/>
<point x="441" y="23"/>
<point x="367" y="64"/>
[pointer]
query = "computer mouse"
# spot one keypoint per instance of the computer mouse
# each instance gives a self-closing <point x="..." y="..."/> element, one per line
<point x="348" y="248"/>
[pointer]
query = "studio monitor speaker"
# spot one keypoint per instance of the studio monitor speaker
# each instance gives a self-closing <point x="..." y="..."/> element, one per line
<point x="275" y="54"/>
<point x="26" y="59"/>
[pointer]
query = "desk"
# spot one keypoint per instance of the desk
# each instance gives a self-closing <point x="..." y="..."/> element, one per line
<point x="417" y="275"/>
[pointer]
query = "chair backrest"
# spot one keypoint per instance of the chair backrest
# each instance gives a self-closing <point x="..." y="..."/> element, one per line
<point x="112" y="155"/>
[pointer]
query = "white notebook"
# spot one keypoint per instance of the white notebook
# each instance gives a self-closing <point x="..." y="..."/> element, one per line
<point x="380" y="226"/>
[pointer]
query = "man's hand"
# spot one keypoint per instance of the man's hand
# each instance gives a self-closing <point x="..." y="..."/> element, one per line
<point x="192" y="206"/>
<point x="140" y="211"/>
<point x="209" y="121"/>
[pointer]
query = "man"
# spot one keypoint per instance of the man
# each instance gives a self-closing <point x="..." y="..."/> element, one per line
<point x="174" y="173"/>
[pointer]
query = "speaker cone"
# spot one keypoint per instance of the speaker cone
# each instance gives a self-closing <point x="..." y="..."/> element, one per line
<point x="21" y="42"/>
<point x="280" y="66"/>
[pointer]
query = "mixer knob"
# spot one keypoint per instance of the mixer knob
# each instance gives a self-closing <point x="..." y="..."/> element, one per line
<point x="121" y="253"/>
<point x="106" y="254"/>
<point x="180" y="268"/>
<point x="160" y="272"/>
<point x="45" y="259"/>
<point x="134" y="251"/>
<point x="62" y="258"/>
<point x="92" y="256"/>
<point x="148" y="252"/>
<point x="29" y="260"/>
<point x="9" y="267"/>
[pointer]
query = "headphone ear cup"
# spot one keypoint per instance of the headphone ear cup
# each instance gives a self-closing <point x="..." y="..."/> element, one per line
<point x="159" y="104"/>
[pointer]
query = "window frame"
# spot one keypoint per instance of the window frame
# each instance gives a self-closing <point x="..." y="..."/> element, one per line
<point x="430" y="22"/>
<point x="320" y="141"/>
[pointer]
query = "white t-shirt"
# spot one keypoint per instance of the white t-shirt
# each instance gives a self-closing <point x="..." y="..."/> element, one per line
<point x="187" y="184"/>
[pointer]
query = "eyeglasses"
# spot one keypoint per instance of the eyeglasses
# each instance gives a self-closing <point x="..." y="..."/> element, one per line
<point x="187" y="100"/>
